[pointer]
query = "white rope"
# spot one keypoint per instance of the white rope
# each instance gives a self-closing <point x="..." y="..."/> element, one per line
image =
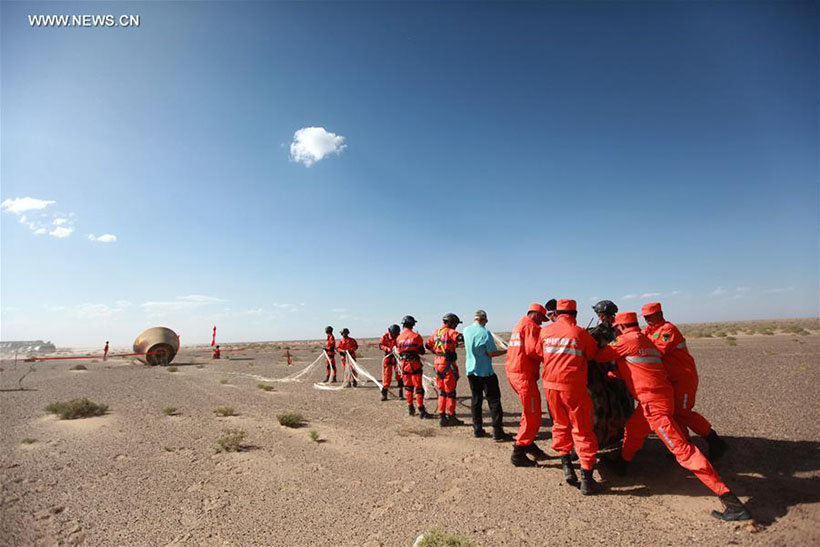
<point x="295" y="377"/>
<point x="361" y="370"/>
<point x="347" y="379"/>
<point x="498" y="339"/>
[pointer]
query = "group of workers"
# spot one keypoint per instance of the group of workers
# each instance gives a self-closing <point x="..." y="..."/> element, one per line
<point x="654" y="365"/>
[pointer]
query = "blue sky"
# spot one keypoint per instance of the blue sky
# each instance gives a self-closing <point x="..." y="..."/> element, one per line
<point x="486" y="156"/>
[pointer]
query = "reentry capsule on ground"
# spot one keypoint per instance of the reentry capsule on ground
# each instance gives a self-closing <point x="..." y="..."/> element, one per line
<point x="160" y="344"/>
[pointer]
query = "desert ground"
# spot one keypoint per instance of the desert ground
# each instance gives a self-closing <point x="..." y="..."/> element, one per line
<point x="375" y="476"/>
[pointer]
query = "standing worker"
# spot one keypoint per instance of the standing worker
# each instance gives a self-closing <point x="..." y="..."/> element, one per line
<point x="443" y="343"/>
<point x="639" y="364"/>
<point x="386" y="344"/>
<point x="347" y="347"/>
<point x="480" y="349"/>
<point x="565" y="348"/>
<point x="523" y="367"/>
<point x="105" y="351"/>
<point x="330" y="354"/>
<point x="410" y="346"/>
<point x="683" y="374"/>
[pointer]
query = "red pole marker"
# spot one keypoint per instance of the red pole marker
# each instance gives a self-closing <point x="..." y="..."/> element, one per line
<point x="213" y="339"/>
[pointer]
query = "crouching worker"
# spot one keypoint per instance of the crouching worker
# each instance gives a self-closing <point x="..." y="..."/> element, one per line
<point x="639" y="364"/>
<point x="217" y="354"/>
<point x="410" y="346"/>
<point x="386" y="344"/>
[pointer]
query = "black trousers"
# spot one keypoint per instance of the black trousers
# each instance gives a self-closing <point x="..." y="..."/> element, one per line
<point x="481" y="386"/>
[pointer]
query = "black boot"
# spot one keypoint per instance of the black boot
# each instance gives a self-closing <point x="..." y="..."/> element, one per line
<point x="588" y="484"/>
<point x="535" y="452"/>
<point x="574" y="455"/>
<point x="733" y="509"/>
<point x="401" y="388"/>
<point x="519" y="457"/>
<point x="423" y="414"/>
<point x="355" y="383"/>
<point x="384" y="394"/>
<point x="442" y="420"/>
<point x="717" y="446"/>
<point x="401" y="393"/>
<point x="454" y="421"/>
<point x="501" y="436"/>
<point x="411" y="410"/>
<point x="327" y="378"/>
<point x="479" y="433"/>
<point x="569" y="472"/>
<point x="618" y="465"/>
<point x="334" y="379"/>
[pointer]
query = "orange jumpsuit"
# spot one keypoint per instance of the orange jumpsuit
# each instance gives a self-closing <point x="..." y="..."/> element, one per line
<point x="386" y="344"/>
<point x="348" y="345"/>
<point x="330" y="352"/>
<point x="565" y="349"/>
<point x="105" y="352"/>
<point x="443" y="343"/>
<point x="683" y="374"/>
<point x="523" y="365"/>
<point x="640" y="366"/>
<point x="410" y="345"/>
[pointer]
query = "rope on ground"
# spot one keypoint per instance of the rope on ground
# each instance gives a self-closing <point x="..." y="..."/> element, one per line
<point x="347" y="379"/>
<point x="298" y="375"/>
<point x="361" y="370"/>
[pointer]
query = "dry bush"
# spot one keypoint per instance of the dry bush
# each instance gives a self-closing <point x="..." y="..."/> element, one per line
<point x="172" y="369"/>
<point x="76" y="408"/>
<point x="170" y="411"/>
<point x="200" y="366"/>
<point x="79" y="367"/>
<point x="230" y="441"/>
<point x="225" y="411"/>
<point x="441" y="538"/>
<point x="291" y="419"/>
<point x="223" y="381"/>
<point x="265" y="387"/>
<point x="28" y="440"/>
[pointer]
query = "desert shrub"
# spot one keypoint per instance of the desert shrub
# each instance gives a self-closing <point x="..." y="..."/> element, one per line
<point x="314" y="435"/>
<point x="291" y="419"/>
<point x="719" y="333"/>
<point x="223" y="381"/>
<point x="224" y="411"/>
<point x="172" y="369"/>
<point x="767" y="331"/>
<point x="170" y="411"/>
<point x="200" y="366"/>
<point x="28" y="440"/>
<point x="230" y="441"/>
<point x="417" y="431"/>
<point x="441" y="538"/>
<point x="79" y="367"/>
<point x="731" y="341"/>
<point x="264" y="387"/>
<point x="76" y="408"/>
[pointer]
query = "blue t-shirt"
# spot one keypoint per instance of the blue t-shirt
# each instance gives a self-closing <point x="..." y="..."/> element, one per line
<point x="477" y="344"/>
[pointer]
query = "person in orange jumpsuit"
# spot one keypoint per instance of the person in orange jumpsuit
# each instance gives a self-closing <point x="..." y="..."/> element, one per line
<point x="217" y="353"/>
<point x="443" y="343"/>
<point x="565" y="349"/>
<point x="330" y="354"/>
<point x="683" y="374"/>
<point x="410" y="346"/>
<point x="386" y="344"/>
<point x="523" y="366"/>
<point x="105" y="351"/>
<point x="639" y="364"/>
<point x="348" y="345"/>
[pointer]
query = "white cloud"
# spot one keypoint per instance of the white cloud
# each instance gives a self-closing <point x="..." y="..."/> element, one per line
<point x="40" y="231"/>
<point x="123" y="304"/>
<point x="61" y="232"/>
<point x="629" y="297"/>
<point x="650" y="294"/>
<point x="105" y="238"/>
<point x="312" y="144"/>
<point x="59" y="221"/>
<point x="720" y="291"/>
<point x="21" y="205"/>
<point x="673" y="293"/>
<point x="780" y="290"/>
<point x="94" y="311"/>
<point x="199" y="298"/>
<point x="285" y="307"/>
<point x="180" y="304"/>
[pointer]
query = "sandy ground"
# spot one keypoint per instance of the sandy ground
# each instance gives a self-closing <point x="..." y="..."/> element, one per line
<point x="379" y="477"/>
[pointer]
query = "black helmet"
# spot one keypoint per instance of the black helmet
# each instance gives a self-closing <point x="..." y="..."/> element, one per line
<point x="451" y="317"/>
<point x="344" y="332"/>
<point x="607" y="307"/>
<point x="328" y="329"/>
<point x="393" y="329"/>
<point x="408" y="321"/>
<point x="551" y="305"/>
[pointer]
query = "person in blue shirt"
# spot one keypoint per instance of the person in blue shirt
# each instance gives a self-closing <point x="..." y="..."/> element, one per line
<point x="480" y="349"/>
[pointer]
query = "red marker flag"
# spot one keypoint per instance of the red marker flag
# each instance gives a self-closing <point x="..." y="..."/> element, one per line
<point x="213" y="340"/>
